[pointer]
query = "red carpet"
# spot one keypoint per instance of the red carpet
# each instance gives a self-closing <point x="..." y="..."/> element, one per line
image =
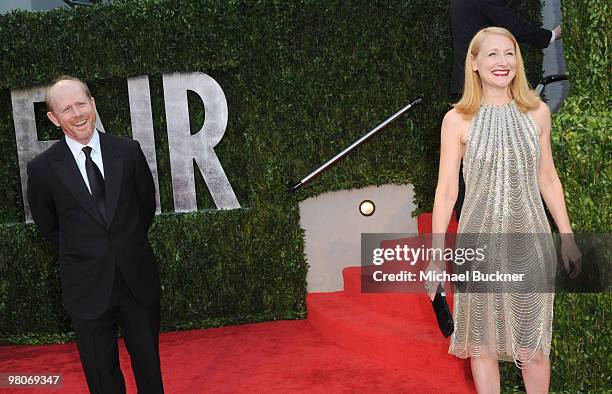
<point x="283" y="356"/>
<point x="351" y="342"/>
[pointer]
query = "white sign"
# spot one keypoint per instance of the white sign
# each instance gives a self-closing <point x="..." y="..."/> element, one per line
<point x="184" y="148"/>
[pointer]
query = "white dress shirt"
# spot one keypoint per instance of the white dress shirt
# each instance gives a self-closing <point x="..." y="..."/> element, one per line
<point x="96" y="155"/>
<point x="552" y="37"/>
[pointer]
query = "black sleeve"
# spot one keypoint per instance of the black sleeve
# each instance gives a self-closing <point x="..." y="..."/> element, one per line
<point x="42" y="207"/>
<point x="145" y="188"/>
<point x="499" y="14"/>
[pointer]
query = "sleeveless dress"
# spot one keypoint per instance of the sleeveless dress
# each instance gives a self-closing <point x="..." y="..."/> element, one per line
<point x="503" y="212"/>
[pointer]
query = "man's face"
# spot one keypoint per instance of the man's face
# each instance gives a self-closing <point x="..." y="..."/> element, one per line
<point x="73" y="110"/>
<point x="496" y="61"/>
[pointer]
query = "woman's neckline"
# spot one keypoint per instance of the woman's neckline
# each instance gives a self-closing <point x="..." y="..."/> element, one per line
<point x="505" y="105"/>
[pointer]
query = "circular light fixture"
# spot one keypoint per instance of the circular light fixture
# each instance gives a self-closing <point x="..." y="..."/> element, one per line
<point x="367" y="208"/>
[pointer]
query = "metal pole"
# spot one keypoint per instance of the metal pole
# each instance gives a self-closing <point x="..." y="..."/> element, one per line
<point x="308" y="178"/>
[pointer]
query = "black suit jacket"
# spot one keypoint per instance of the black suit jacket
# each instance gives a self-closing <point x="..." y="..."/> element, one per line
<point x="90" y="247"/>
<point x="468" y="17"/>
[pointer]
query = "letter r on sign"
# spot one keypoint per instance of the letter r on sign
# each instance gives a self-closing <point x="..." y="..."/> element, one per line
<point x="184" y="147"/>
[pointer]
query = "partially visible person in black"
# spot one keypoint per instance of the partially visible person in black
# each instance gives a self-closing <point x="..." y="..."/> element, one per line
<point x="468" y="17"/>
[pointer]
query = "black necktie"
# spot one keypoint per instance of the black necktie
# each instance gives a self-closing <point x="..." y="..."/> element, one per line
<point x="96" y="182"/>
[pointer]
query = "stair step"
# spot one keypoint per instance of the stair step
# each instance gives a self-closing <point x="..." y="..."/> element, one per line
<point x="424" y="223"/>
<point x="415" y="344"/>
<point x="408" y="301"/>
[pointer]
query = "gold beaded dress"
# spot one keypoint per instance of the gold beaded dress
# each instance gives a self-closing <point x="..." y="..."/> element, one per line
<point x="503" y="211"/>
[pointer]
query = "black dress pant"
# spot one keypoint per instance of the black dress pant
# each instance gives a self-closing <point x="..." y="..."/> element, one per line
<point x="98" y="347"/>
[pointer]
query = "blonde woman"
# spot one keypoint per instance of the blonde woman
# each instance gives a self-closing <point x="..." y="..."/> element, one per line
<point x="501" y="130"/>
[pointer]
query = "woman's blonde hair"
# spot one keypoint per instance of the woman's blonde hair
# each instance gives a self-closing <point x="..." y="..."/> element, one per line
<point x="525" y="98"/>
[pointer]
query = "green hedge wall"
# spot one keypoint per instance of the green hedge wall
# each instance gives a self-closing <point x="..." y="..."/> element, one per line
<point x="303" y="79"/>
<point x="582" y="143"/>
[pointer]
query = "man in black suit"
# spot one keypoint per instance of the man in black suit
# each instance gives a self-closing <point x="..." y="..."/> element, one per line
<point x="468" y="17"/>
<point x="92" y="197"/>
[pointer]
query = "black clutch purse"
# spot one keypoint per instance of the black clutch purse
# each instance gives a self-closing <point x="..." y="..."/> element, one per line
<point x="443" y="315"/>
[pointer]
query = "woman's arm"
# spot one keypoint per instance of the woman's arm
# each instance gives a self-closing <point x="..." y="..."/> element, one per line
<point x="447" y="188"/>
<point x="552" y="193"/>
<point x="448" y="172"/>
<point x="548" y="180"/>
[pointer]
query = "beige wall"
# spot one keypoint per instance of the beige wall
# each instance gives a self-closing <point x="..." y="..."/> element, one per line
<point x="333" y="227"/>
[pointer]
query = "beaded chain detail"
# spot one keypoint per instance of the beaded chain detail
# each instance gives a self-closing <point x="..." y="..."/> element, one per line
<point x="512" y="322"/>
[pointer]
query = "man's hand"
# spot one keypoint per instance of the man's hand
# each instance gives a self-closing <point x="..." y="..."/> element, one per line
<point x="557" y="31"/>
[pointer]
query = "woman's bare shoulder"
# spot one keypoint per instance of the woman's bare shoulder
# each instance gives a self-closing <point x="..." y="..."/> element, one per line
<point x="541" y="111"/>
<point x="455" y="117"/>
<point x="541" y="115"/>
<point x="456" y="123"/>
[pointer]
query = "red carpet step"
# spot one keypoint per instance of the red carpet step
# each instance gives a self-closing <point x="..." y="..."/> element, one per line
<point x="409" y="302"/>
<point x="398" y="329"/>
